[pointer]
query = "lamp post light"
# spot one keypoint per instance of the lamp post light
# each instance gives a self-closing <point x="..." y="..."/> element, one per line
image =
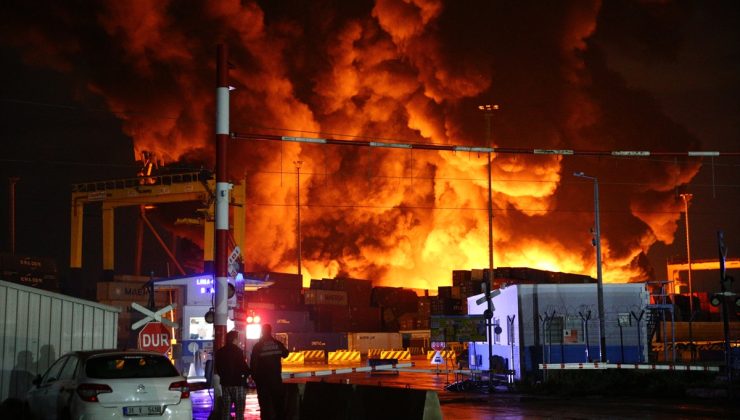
<point x="686" y="198"/>
<point x="488" y="114"/>
<point x="599" y="278"/>
<point x="298" y="164"/>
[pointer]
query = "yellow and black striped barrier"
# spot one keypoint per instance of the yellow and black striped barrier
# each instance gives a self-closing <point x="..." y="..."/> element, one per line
<point x="344" y="356"/>
<point x="446" y="354"/>
<point x="395" y="354"/>
<point x="374" y="353"/>
<point x="294" y="358"/>
<point x="314" y="355"/>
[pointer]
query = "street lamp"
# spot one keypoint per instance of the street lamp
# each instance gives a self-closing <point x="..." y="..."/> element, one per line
<point x="686" y="198"/>
<point x="488" y="114"/>
<point x="298" y="164"/>
<point x="599" y="279"/>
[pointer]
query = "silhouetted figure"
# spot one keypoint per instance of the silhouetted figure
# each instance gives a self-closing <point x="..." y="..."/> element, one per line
<point x="21" y="377"/>
<point x="267" y="374"/>
<point x="232" y="368"/>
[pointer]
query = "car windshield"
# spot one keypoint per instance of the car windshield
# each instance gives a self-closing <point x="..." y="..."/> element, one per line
<point x="129" y="366"/>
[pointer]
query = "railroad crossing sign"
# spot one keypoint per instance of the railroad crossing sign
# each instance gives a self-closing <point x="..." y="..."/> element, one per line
<point x="155" y="337"/>
<point x="492" y="294"/>
<point x="154" y="316"/>
<point x="233" y="262"/>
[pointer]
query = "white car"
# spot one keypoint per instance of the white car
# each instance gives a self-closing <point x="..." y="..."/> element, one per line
<point x="111" y="384"/>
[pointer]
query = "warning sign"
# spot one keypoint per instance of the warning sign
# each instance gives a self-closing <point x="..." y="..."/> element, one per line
<point x="447" y="328"/>
<point x="437" y="359"/>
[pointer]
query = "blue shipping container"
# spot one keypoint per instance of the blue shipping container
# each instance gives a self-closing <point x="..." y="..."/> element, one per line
<point x="314" y="341"/>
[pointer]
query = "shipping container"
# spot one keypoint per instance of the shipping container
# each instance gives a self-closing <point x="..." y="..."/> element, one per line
<point x="425" y="305"/>
<point x="260" y="305"/>
<point x="40" y="281"/>
<point x="398" y="299"/>
<point x="325" y="297"/>
<point x="362" y="341"/>
<point x="131" y="278"/>
<point x="279" y="280"/>
<point x="461" y="276"/>
<point x="297" y="341"/>
<point x="38" y="326"/>
<point x="276" y="296"/>
<point x="128" y="291"/>
<point x="39" y="272"/>
<point x="330" y="318"/>
<point x="317" y="284"/>
<point x="286" y="321"/>
<point x="358" y="290"/>
<point x="445" y="306"/>
<point x="364" y="319"/>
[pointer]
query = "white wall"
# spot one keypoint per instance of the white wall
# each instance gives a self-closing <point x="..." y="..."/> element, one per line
<point x="505" y="305"/>
<point x="531" y="303"/>
<point x="38" y="326"/>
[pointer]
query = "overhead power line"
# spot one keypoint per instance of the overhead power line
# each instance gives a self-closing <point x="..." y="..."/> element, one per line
<point x="478" y="149"/>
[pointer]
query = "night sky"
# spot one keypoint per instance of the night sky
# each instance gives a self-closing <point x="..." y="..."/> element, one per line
<point x="87" y="87"/>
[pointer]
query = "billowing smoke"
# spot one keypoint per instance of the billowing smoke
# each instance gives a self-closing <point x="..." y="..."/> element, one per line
<point x="406" y="70"/>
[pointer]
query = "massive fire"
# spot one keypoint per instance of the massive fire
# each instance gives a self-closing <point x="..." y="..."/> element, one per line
<point x="408" y="70"/>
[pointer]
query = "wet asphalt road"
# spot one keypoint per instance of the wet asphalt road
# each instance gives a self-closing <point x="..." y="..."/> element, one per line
<point x="506" y="405"/>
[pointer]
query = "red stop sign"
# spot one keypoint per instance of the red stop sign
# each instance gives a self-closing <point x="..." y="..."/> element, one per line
<point x="154" y="337"/>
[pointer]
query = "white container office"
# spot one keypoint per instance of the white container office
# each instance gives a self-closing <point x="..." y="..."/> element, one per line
<point x="559" y="323"/>
<point x="38" y="326"/>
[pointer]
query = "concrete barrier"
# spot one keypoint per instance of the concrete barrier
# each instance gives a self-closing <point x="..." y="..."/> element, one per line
<point x="374" y="353"/>
<point x="344" y="356"/>
<point x="294" y="358"/>
<point x="395" y="354"/>
<point x="314" y="355"/>
<point x="446" y="354"/>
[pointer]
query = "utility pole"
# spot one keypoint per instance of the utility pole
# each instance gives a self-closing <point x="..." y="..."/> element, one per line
<point x="298" y="164"/>
<point x="686" y="198"/>
<point x="222" y="196"/>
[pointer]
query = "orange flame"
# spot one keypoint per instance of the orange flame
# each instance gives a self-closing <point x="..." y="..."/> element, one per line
<point x="404" y="69"/>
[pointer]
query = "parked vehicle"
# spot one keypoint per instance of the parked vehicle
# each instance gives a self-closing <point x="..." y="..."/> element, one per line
<point x="111" y="384"/>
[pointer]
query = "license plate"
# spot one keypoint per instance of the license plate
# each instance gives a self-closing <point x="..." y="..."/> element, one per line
<point x="144" y="410"/>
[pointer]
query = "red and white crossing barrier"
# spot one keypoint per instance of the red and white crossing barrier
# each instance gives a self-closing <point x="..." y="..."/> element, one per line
<point x="637" y="366"/>
<point x="569" y="366"/>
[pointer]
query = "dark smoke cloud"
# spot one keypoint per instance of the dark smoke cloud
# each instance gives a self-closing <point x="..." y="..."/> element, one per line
<point x="411" y="70"/>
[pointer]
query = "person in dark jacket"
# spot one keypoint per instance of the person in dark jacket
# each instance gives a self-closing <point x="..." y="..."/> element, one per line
<point x="233" y="370"/>
<point x="267" y="374"/>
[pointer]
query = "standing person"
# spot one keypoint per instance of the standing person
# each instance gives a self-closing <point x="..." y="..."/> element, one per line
<point x="267" y="374"/>
<point x="232" y="368"/>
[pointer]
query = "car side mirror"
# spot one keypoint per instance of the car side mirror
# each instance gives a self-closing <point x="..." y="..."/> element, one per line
<point x="37" y="380"/>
